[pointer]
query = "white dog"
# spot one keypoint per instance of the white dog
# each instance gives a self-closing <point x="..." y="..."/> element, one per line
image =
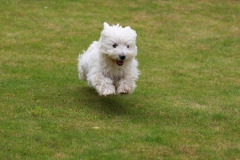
<point x="109" y="65"/>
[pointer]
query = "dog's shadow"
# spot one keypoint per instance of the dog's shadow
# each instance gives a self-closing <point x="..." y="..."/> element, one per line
<point x="110" y="105"/>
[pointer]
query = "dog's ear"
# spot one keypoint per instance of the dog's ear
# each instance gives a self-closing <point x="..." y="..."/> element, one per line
<point x="130" y="31"/>
<point x="105" y="25"/>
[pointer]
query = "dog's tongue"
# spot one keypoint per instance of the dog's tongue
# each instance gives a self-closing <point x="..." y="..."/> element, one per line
<point x="120" y="63"/>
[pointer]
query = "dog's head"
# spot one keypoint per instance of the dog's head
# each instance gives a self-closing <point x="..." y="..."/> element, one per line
<point x="118" y="43"/>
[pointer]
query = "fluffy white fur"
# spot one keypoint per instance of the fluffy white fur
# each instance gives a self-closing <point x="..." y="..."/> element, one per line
<point x="109" y="65"/>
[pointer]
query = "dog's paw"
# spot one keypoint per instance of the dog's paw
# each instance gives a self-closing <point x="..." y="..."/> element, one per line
<point x="123" y="89"/>
<point x="107" y="90"/>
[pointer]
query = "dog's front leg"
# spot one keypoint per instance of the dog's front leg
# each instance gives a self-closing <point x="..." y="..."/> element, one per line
<point x="103" y="85"/>
<point x="126" y="85"/>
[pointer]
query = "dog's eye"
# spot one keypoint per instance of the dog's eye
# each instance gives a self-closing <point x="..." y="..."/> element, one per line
<point x="127" y="46"/>
<point x="115" y="45"/>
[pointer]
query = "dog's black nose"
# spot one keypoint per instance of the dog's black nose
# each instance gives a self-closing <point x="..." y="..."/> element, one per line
<point x="122" y="57"/>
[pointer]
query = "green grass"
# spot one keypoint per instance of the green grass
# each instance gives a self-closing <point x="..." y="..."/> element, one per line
<point x="187" y="102"/>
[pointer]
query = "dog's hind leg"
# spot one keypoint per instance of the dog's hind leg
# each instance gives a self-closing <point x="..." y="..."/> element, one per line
<point x="81" y="69"/>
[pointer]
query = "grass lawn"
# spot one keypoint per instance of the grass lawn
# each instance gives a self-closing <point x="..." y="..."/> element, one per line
<point x="186" y="105"/>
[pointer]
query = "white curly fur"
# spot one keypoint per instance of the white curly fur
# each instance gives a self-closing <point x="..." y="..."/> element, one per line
<point x="109" y="65"/>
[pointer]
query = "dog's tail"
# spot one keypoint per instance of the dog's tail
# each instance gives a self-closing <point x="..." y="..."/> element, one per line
<point x="81" y="71"/>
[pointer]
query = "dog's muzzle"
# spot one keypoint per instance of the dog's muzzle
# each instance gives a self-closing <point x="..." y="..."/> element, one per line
<point x="122" y="57"/>
<point x="120" y="63"/>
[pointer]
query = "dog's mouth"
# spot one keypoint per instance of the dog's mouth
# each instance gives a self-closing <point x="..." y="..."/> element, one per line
<point x="120" y="63"/>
